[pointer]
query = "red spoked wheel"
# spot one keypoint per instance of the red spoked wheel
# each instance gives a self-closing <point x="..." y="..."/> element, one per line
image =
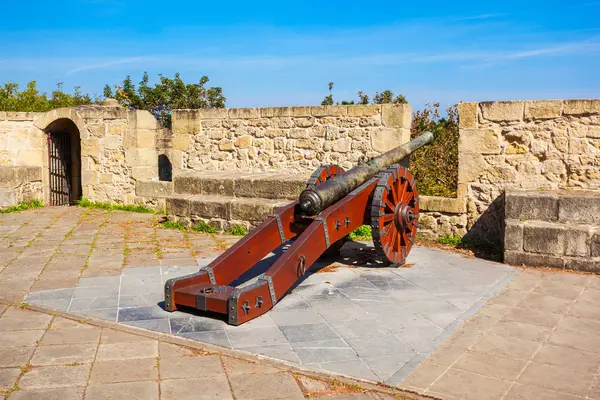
<point x="323" y="173"/>
<point x="395" y="214"/>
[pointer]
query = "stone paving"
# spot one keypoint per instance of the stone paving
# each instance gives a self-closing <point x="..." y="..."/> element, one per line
<point x="48" y="357"/>
<point x="537" y="339"/>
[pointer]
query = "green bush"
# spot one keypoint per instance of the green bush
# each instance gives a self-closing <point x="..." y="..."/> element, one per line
<point x="236" y="230"/>
<point x="22" y="207"/>
<point x="435" y="167"/>
<point x="84" y="202"/>
<point x="204" y="227"/>
<point x="361" y="233"/>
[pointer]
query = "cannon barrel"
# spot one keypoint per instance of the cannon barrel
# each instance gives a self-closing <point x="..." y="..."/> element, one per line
<point x="314" y="200"/>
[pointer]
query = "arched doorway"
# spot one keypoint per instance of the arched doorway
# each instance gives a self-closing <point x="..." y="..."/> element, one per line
<point x="64" y="162"/>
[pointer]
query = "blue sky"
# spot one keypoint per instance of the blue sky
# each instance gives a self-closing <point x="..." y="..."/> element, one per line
<point x="275" y="53"/>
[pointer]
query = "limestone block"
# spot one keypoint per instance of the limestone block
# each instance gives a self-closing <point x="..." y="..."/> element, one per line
<point x="364" y="110"/>
<point x="244" y="113"/>
<point x="578" y="240"/>
<point x="581" y="107"/>
<point x="581" y="208"/>
<point x="543" y="109"/>
<point x="144" y="173"/>
<point x="302" y="111"/>
<point x="480" y="141"/>
<point x="544" y="237"/>
<point x="251" y="209"/>
<point x="502" y="110"/>
<point x="187" y="184"/>
<point x="111" y="142"/>
<point x="385" y="139"/>
<point x="221" y="185"/>
<point x="522" y="258"/>
<point x="427" y="222"/>
<point x="243" y="142"/>
<point x="312" y="143"/>
<point x="523" y="205"/>
<point x="142" y="157"/>
<point x="145" y="120"/>
<point x="7" y="198"/>
<point x="304" y="122"/>
<point x="145" y="138"/>
<point x="583" y="264"/>
<point x="28" y="174"/>
<point x="342" y="145"/>
<point x="593" y="132"/>
<point x="90" y="147"/>
<point x="33" y="158"/>
<point x="181" y="142"/>
<point x="176" y="158"/>
<point x="269" y="112"/>
<point x="212" y="113"/>
<point x="470" y="168"/>
<point x="153" y="188"/>
<point x="106" y="178"/>
<point x="442" y="204"/>
<point x="178" y="206"/>
<point x="226" y="145"/>
<point x="215" y="207"/>
<point x="467" y="115"/>
<point x="186" y="121"/>
<point x="97" y="130"/>
<point x="90" y="177"/>
<point x="329" y="111"/>
<point x="396" y="115"/>
<point x="111" y="113"/>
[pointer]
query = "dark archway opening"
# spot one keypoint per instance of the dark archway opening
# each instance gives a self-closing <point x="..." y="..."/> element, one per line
<point x="64" y="162"/>
<point x="165" y="168"/>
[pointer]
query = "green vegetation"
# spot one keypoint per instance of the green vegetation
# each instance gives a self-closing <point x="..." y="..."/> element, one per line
<point x="204" y="227"/>
<point x="22" y="207"/>
<point x="236" y="230"/>
<point x="173" y="225"/>
<point x="84" y="202"/>
<point x="451" y="240"/>
<point x="361" y="233"/>
<point x="160" y="99"/>
<point x="385" y="97"/>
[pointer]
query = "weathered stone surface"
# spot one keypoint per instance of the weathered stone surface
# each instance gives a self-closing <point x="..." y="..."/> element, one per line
<point x="396" y="115"/>
<point x="502" y="110"/>
<point x="210" y="207"/>
<point x="176" y="206"/>
<point x="385" y="139"/>
<point x="364" y="110"/>
<point x="513" y="235"/>
<point x="578" y="240"/>
<point x="187" y="184"/>
<point x="583" y="264"/>
<point x="329" y="111"/>
<point x="153" y="188"/>
<point x="583" y="207"/>
<point x="252" y="209"/>
<point x="522" y="258"/>
<point x="525" y="205"/>
<point x="543" y="109"/>
<point x="467" y="115"/>
<point x="544" y="238"/>
<point x="471" y="168"/>
<point x="581" y="107"/>
<point x="479" y="141"/>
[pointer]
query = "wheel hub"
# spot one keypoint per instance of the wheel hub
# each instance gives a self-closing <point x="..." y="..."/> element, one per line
<point x="403" y="216"/>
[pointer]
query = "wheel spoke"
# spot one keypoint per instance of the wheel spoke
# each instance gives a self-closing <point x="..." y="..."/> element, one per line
<point x="394" y="192"/>
<point x="387" y="218"/>
<point x="391" y="206"/>
<point x="403" y="192"/>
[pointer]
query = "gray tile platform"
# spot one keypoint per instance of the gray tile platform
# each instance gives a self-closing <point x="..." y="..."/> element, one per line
<point x="372" y="323"/>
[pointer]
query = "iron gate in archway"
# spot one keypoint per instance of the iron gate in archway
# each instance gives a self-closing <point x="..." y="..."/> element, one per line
<point x="59" y="152"/>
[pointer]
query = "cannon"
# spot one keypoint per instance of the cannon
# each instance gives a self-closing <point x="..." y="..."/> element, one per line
<point x="380" y="192"/>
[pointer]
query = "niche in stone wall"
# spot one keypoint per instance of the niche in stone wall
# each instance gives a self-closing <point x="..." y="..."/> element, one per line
<point x="165" y="168"/>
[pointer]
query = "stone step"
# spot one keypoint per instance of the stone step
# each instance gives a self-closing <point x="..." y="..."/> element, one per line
<point x="552" y="244"/>
<point x="221" y="211"/>
<point x="563" y="206"/>
<point x="239" y="184"/>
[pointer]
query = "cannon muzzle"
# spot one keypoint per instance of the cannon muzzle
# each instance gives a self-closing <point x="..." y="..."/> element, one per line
<point x="314" y="200"/>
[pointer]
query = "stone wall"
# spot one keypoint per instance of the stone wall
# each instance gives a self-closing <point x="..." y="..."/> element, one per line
<point x="529" y="145"/>
<point x="286" y="139"/>
<point x="118" y="147"/>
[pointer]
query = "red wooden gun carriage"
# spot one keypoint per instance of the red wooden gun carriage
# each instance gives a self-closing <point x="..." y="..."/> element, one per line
<point x="380" y="193"/>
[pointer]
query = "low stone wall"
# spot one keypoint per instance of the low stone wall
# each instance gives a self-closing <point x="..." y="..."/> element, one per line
<point x="523" y="145"/>
<point x="20" y="184"/>
<point x="286" y="139"/>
